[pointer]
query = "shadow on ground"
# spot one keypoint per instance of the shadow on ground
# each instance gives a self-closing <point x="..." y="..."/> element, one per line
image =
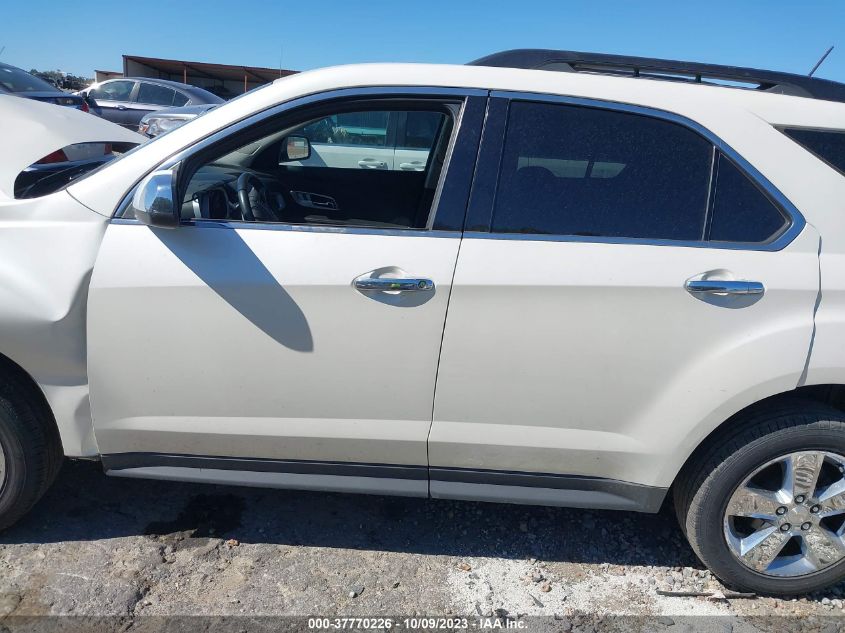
<point x="85" y="505"/>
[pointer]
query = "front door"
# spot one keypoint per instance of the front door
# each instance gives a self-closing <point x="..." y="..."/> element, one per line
<point x="115" y="100"/>
<point x="272" y="338"/>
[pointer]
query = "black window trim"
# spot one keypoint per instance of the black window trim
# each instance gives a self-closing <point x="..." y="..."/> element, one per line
<point x="479" y="219"/>
<point x="446" y="220"/>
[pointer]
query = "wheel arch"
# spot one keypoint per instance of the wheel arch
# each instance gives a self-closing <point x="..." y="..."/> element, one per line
<point x="11" y="371"/>
<point x="832" y="394"/>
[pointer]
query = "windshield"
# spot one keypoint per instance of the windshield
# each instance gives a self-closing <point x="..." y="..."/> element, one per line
<point x="16" y="80"/>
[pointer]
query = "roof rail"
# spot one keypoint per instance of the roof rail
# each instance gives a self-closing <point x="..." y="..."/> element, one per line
<point x="667" y="69"/>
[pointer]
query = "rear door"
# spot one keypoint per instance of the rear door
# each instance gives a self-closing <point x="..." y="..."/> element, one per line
<point x="621" y="282"/>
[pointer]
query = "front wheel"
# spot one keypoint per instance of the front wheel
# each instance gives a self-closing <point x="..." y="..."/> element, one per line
<point x="30" y="450"/>
<point x="764" y="506"/>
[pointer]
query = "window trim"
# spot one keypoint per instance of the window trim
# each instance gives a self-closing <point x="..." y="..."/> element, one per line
<point x="479" y="221"/>
<point x="464" y="133"/>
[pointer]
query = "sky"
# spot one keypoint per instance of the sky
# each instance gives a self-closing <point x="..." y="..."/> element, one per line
<point x="79" y="37"/>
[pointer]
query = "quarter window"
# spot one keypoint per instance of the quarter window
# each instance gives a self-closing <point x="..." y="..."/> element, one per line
<point x="571" y="170"/>
<point x="828" y="145"/>
<point x="741" y="211"/>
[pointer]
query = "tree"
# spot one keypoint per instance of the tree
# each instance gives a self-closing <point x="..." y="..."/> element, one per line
<point x="65" y="81"/>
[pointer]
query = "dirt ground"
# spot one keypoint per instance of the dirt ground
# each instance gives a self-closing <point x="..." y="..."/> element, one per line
<point x="129" y="550"/>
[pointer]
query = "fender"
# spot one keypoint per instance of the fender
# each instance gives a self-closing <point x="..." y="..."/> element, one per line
<point x="50" y="245"/>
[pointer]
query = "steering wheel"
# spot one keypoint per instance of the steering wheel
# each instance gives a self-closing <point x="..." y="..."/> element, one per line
<point x="252" y="198"/>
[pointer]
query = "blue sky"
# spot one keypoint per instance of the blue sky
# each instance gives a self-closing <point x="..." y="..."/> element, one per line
<point x="81" y="36"/>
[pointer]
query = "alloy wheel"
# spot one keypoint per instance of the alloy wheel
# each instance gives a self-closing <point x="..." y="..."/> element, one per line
<point x="788" y="517"/>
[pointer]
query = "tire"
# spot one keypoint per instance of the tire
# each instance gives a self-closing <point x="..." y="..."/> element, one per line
<point x="706" y="484"/>
<point x="30" y="448"/>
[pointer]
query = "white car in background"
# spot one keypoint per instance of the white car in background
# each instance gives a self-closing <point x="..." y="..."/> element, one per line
<point x="493" y="283"/>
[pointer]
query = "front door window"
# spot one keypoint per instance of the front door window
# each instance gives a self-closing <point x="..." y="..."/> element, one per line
<point x="350" y="179"/>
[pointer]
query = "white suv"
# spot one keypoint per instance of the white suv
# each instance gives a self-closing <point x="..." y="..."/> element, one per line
<point x="591" y="290"/>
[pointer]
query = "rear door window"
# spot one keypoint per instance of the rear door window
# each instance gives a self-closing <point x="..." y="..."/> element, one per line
<point x="579" y="171"/>
<point x="153" y="94"/>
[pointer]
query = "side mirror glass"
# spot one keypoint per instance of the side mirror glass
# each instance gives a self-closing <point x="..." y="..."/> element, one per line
<point x="294" y="148"/>
<point x="154" y="202"/>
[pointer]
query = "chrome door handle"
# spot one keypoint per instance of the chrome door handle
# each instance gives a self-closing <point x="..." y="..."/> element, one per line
<point x="395" y="285"/>
<point x="372" y="163"/>
<point x="721" y="287"/>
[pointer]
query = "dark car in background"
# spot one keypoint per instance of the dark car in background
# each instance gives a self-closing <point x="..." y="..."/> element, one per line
<point x="125" y="101"/>
<point x="20" y="83"/>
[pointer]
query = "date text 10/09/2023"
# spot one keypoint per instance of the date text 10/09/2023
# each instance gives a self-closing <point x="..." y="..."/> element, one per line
<point x="415" y="624"/>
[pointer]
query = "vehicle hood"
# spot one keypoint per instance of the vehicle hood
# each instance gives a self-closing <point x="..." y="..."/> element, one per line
<point x="30" y="130"/>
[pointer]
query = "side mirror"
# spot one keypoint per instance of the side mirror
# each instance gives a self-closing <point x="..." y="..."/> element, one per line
<point x="154" y="202"/>
<point x="294" y="148"/>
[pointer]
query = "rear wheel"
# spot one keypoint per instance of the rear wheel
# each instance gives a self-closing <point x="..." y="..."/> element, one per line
<point x="764" y="506"/>
<point x="30" y="450"/>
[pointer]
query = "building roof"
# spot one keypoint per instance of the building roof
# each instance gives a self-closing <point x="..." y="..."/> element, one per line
<point x="221" y="72"/>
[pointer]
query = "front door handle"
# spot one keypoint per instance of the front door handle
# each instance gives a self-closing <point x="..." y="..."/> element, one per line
<point x="394" y="285"/>
<point x="372" y="163"/>
<point x="722" y="287"/>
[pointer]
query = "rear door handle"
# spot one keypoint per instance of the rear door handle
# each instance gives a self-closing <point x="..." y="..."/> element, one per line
<point x="722" y="287"/>
<point x="394" y="285"/>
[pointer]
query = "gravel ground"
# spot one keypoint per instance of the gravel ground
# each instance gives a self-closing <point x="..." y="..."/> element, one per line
<point x="96" y="546"/>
